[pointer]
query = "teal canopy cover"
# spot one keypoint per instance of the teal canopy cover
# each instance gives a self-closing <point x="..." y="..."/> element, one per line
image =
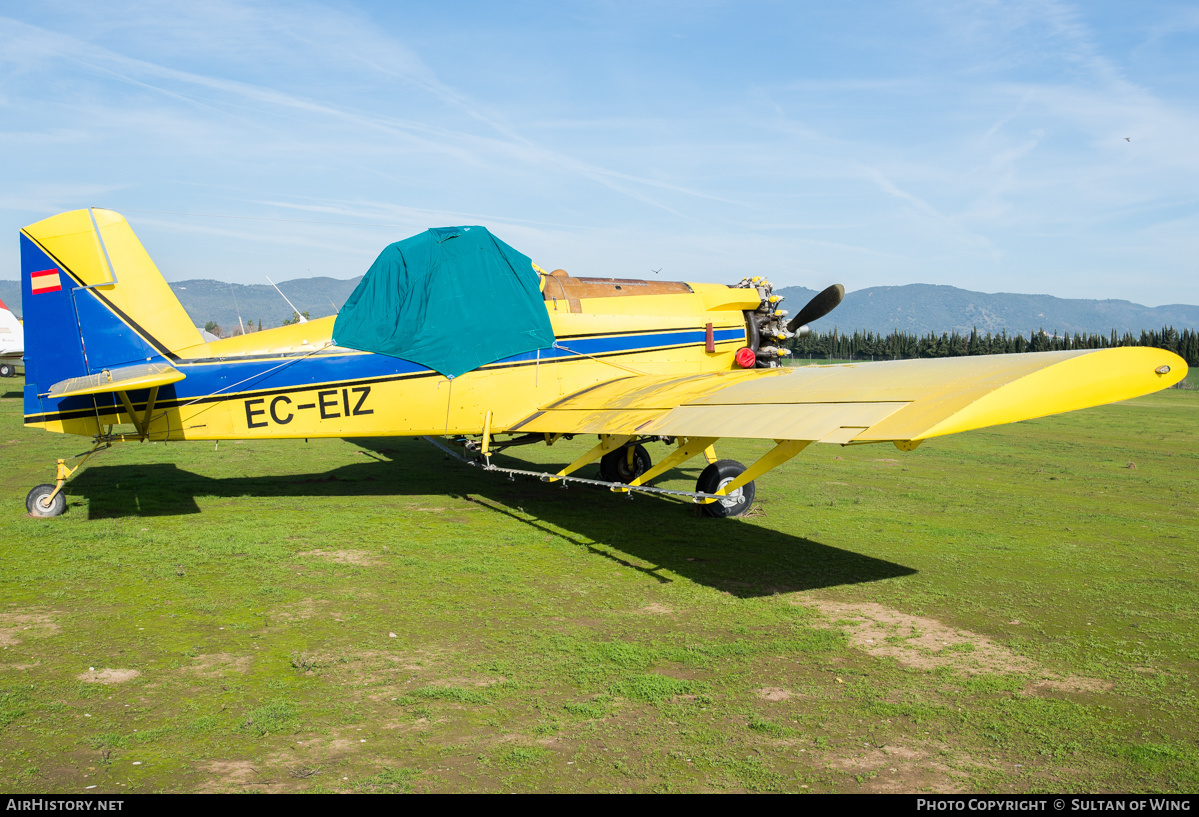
<point x="451" y="299"/>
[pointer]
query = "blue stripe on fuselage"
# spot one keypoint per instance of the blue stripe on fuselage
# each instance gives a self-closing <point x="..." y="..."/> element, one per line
<point x="217" y="379"/>
<point x="234" y="376"/>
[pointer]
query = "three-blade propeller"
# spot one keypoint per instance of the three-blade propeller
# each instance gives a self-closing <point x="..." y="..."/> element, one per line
<point x="818" y="307"/>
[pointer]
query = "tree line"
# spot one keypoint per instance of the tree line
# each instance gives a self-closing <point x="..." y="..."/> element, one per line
<point x="898" y="345"/>
<point x="215" y="328"/>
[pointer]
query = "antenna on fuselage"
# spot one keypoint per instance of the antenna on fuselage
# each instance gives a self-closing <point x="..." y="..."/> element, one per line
<point x="284" y="297"/>
<point x="237" y="309"/>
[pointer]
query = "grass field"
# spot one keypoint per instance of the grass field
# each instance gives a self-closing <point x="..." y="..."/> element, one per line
<point x="1013" y="610"/>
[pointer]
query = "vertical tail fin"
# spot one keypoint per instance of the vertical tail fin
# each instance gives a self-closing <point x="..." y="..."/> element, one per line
<point x="93" y="300"/>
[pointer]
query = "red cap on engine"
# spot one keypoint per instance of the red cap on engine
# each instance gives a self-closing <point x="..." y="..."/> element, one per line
<point x="746" y="358"/>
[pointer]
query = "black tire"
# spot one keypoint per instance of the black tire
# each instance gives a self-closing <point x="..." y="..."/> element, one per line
<point x="34" y="502"/>
<point x="7" y="370"/>
<point x="614" y="467"/>
<point x="720" y="473"/>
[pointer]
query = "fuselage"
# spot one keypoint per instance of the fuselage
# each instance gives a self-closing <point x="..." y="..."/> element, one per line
<point x="292" y="382"/>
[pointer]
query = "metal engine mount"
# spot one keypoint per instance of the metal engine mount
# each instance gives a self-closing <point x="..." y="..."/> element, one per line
<point x="766" y="327"/>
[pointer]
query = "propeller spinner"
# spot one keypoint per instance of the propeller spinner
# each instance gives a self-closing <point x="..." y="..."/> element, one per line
<point x="818" y="307"/>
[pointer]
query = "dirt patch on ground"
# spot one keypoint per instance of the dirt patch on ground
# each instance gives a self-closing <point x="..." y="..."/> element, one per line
<point x="384" y="673"/>
<point x="418" y="725"/>
<point x="656" y="609"/>
<point x="298" y="610"/>
<point x="342" y="557"/>
<point x="216" y="664"/>
<point x="235" y="775"/>
<point x="468" y="682"/>
<point x="15" y="627"/>
<point x="1070" y="683"/>
<point x="919" y="642"/>
<point x="321" y="751"/>
<point x="108" y="676"/>
<point x="772" y="694"/>
<point x="926" y="643"/>
<point x="906" y="769"/>
<point x="325" y="761"/>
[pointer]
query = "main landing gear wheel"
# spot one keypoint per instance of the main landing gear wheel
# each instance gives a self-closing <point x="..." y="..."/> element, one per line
<point x="716" y="476"/>
<point x="36" y="503"/>
<point x="7" y="371"/>
<point x="615" y="466"/>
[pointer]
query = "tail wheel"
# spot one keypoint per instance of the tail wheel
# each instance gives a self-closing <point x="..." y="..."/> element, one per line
<point x="7" y="371"/>
<point x="716" y="476"/>
<point x="37" y="505"/>
<point x="619" y="466"/>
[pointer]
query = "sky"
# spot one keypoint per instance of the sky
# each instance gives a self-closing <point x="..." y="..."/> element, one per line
<point x="1033" y="147"/>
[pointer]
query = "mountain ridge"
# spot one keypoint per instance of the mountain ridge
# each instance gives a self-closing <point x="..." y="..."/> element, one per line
<point x="937" y="308"/>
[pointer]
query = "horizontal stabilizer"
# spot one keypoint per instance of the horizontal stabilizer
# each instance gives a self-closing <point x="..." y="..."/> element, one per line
<point x="125" y="378"/>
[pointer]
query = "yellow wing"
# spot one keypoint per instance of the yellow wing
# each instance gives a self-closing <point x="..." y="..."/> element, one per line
<point x="904" y="401"/>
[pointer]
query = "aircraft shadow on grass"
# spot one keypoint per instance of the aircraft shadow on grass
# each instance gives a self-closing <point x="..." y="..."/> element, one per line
<point x="648" y="535"/>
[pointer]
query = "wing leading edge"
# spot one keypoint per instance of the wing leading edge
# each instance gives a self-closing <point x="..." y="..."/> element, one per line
<point x="900" y="401"/>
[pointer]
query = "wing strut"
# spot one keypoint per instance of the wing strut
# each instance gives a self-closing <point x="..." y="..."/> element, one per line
<point x="608" y="442"/>
<point x="688" y="448"/>
<point x="143" y="425"/>
<point x="783" y="451"/>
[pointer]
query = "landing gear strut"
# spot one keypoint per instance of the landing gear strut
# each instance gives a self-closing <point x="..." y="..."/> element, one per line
<point x="625" y="464"/>
<point x="44" y="500"/>
<point x="49" y="500"/>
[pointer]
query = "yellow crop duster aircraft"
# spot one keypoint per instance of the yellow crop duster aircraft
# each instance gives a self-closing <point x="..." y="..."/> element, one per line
<point x="630" y="361"/>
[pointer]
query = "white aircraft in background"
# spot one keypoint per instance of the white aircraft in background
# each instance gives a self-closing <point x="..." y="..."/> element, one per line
<point x="12" y="343"/>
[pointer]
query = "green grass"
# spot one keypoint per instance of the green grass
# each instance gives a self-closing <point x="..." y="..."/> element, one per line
<point x="367" y="616"/>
